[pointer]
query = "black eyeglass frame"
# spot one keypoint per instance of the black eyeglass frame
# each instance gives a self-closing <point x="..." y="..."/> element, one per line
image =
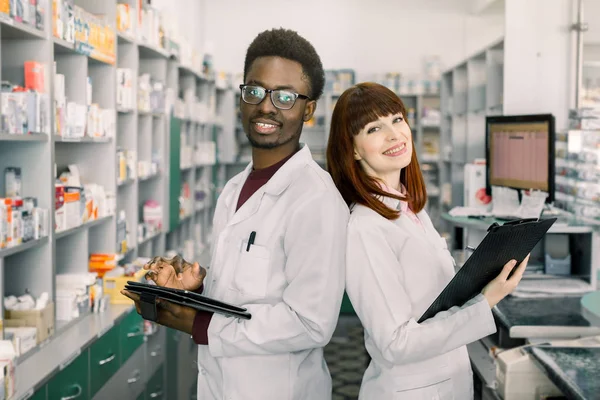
<point x="270" y="93"/>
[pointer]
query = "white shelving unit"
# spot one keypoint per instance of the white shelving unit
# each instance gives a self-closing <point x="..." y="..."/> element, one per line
<point x="32" y="266"/>
<point x="469" y="91"/>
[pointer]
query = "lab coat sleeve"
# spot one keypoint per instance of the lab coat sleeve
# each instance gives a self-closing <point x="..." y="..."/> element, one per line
<point x="381" y="302"/>
<point x="306" y="317"/>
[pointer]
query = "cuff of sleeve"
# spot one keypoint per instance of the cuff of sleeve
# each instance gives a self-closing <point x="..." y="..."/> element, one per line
<point x="200" y="328"/>
<point x="483" y="309"/>
<point x="215" y="329"/>
<point x="200" y="289"/>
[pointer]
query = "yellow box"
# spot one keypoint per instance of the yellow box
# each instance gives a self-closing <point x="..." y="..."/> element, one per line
<point x="113" y="286"/>
<point x="5" y="7"/>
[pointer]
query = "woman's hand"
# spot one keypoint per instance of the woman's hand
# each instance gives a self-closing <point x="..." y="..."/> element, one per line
<point x="185" y="276"/>
<point x="502" y="285"/>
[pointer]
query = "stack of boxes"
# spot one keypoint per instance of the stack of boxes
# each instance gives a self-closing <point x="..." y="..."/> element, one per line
<point x="92" y="35"/>
<point x="75" y="121"/>
<point x="21" y="220"/>
<point x="30" y="12"/>
<point x="76" y="204"/>
<point x="126" y="161"/>
<point x="151" y="95"/>
<point x="25" y="110"/>
<point x="125" y="90"/>
<point x="126" y="20"/>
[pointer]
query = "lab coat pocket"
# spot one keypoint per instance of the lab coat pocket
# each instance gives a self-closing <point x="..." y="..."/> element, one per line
<point x="435" y="391"/>
<point x="252" y="271"/>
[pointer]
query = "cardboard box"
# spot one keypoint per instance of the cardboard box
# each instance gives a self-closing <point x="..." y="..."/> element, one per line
<point x="23" y="337"/>
<point x="42" y="320"/>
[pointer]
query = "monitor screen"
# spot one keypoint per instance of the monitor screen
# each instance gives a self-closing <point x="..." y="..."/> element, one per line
<point x="520" y="152"/>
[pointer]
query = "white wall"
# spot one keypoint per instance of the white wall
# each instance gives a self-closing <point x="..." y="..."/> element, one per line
<point x="538" y="64"/>
<point x="482" y="29"/>
<point x="369" y="36"/>
<point x="189" y="16"/>
<point x="591" y="15"/>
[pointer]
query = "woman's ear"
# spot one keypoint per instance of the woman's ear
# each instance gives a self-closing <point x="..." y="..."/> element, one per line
<point x="357" y="156"/>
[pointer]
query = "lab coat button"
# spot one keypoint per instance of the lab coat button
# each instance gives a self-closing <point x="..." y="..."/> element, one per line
<point x="203" y="371"/>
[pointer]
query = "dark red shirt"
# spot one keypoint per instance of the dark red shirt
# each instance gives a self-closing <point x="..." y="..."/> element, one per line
<point x="256" y="179"/>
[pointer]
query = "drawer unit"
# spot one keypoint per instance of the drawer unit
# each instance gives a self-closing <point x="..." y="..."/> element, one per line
<point x="131" y="335"/>
<point x="156" y="349"/>
<point x="39" y="395"/>
<point x="104" y="359"/>
<point x="72" y="382"/>
<point x="130" y="381"/>
<point x="155" y="390"/>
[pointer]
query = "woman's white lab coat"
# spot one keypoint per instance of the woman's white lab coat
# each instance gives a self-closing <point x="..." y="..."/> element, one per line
<point x="291" y="280"/>
<point x="395" y="269"/>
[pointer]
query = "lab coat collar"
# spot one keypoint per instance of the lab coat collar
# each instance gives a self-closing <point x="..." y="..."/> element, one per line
<point x="287" y="173"/>
<point x="275" y="186"/>
<point x="426" y="233"/>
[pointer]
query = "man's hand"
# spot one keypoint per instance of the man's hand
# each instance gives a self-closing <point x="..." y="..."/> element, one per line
<point x="170" y="315"/>
<point x="175" y="273"/>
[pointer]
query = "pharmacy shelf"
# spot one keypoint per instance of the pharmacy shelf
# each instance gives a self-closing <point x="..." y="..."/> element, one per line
<point x="122" y="110"/>
<point x="149" y="238"/>
<point x="17" y="30"/>
<point x="23" y="247"/>
<point x="149" y="51"/>
<point x="80" y="228"/>
<point x="85" y="139"/>
<point x="150" y="113"/>
<point x="33" y="137"/>
<point x="62" y="46"/>
<point x="149" y="177"/>
<point x="46" y="361"/>
<point x="138" y="135"/>
<point x="126" y="182"/>
<point x="124" y="38"/>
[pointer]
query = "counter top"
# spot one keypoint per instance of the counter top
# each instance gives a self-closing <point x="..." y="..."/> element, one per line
<point x="63" y="347"/>
<point x="590" y="307"/>
<point x="561" y="226"/>
<point x="574" y="371"/>
<point x="545" y="317"/>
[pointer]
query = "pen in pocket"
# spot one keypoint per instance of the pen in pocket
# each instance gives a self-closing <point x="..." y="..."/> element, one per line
<point x="250" y="240"/>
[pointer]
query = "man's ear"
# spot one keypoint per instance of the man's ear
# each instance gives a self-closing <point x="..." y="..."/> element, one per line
<point x="309" y="110"/>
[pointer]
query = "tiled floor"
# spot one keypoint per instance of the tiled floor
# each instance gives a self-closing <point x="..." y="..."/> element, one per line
<point x="346" y="358"/>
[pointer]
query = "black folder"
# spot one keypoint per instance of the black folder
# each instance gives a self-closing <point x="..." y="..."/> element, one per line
<point x="512" y="240"/>
<point x="149" y="293"/>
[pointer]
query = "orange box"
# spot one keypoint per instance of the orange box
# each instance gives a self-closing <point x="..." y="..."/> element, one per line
<point x="5" y="7"/>
<point x="102" y="263"/>
<point x="34" y="76"/>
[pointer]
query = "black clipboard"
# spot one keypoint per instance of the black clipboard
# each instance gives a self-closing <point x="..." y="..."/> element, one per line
<point x="149" y="293"/>
<point x="512" y="240"/>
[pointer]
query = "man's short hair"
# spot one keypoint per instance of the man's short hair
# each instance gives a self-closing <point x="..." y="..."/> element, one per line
<point x="290" y="45"/>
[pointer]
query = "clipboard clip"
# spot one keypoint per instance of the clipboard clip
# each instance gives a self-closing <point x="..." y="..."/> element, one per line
<point x="512" y="223"/>
<point x="148" y="307"/>
<point x="521" y="221"/>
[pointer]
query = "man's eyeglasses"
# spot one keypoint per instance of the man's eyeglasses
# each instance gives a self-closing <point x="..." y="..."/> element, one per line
<point x="282" y="99"/>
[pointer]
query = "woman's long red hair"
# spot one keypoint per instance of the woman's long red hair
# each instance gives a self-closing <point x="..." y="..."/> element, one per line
<point x="356" y="107"/>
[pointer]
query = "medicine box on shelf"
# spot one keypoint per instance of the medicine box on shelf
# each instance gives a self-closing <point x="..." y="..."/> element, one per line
<point x="42" y="320"/>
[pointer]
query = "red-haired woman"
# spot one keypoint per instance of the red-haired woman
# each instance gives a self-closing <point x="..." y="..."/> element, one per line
<point x="397" y="263"/>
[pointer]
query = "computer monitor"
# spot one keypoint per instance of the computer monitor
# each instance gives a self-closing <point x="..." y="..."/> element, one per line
<point x="520" y="152"/>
